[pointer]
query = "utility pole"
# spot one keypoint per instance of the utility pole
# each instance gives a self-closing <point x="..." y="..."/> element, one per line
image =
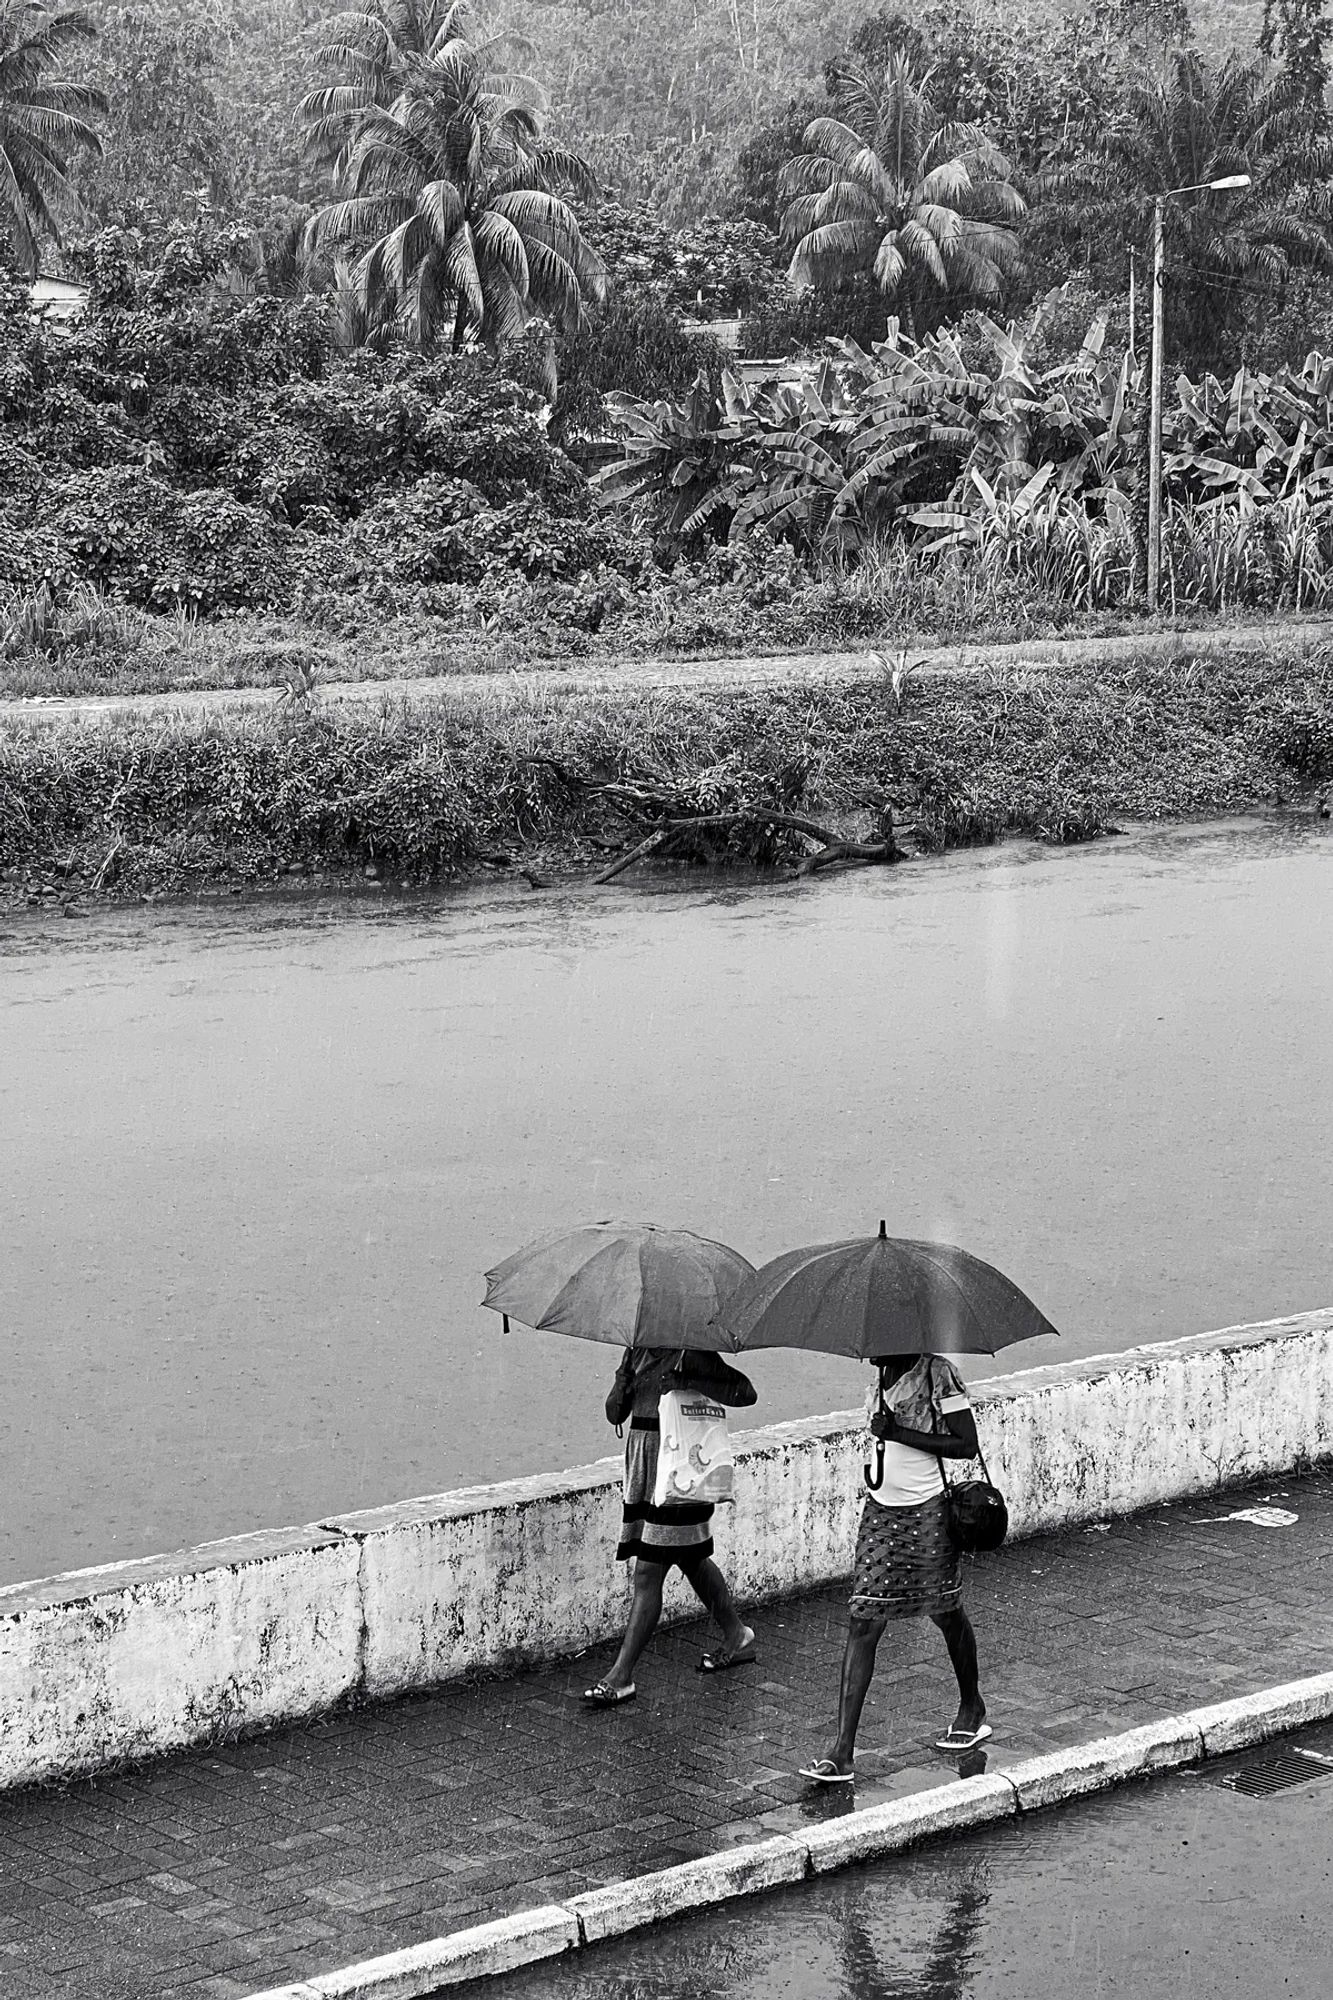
<point x="1133" y="301"/>
<point x="1155" y="392"/>
<point x="1155" y="407"/>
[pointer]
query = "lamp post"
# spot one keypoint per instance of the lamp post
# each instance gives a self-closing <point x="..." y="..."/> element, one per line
<point x="1155" y="392"/>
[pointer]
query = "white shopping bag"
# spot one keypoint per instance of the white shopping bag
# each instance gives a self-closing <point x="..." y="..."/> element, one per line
<point x="694" y="1456"/>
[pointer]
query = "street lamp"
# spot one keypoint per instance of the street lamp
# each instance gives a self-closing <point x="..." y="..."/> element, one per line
<point x="1155" y="414"/>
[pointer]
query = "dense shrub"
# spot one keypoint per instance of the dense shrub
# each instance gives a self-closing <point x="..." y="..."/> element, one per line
<point x="443" y="531"/>
<point x="792" y="322"/>
<point x="633" y="344"/>
<point x="716" y="267"/>
<point x="167" y="448"/>
<point x="1302" y="736"/>
<point x="149" y="543"/>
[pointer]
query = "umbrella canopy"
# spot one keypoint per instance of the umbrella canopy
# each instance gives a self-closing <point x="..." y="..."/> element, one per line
<point x="626" y="1283"/>
<point x="880" y="1295"/>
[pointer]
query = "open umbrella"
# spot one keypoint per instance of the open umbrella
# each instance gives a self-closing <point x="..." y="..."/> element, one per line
<point x="628" y="1284"/>
<point x="880" y="1295"/>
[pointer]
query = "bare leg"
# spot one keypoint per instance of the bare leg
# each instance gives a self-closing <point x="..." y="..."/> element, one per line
<point x="858" y="1666"/>
<point x="714" y="1593"/>
<point x="644" y="1614"/>
<point x="962" y="1643"/>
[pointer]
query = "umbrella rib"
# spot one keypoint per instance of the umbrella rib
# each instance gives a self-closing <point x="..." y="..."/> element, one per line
<point x="643" y="1289"/>
<point x="827" y="1277"/>
<point x="944" y="1272"/>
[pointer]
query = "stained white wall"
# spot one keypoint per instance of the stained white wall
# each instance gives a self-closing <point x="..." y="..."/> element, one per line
<point x="123" y="1662"/>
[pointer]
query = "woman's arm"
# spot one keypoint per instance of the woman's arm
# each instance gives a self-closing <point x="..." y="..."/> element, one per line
<point x="621" y="1399"/>
<point x="958" y="1439"/>
<point x="706" y="1370"/>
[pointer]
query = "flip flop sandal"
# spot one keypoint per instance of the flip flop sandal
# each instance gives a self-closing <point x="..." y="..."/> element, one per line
<point x="955" y="1740"/>
<point x="722" y="1663"/>
<point x="825" y="1772"/>
<point x="602" y="1696"/>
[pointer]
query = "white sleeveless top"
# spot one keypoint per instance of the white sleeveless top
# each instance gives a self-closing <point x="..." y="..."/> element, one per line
<point x="911" y="1476"/>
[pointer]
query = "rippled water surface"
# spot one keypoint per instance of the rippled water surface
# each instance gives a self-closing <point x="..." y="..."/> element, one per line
<point x="1175" y="1888"/>
<point x="257" y="1158"/>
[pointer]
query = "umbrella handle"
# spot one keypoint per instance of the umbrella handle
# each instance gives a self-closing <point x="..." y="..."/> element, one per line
<point x="878" y="1480"/>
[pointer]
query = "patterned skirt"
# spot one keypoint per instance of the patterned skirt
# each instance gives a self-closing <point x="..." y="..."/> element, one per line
<point x="666" y="1535"/>
<point x="906" y="1563"/>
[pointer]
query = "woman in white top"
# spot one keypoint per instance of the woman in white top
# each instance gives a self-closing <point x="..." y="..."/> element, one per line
<point x="907" y="1565"/>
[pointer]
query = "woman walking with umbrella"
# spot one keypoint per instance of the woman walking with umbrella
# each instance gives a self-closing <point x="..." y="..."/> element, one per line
<point x="656" y="1537"/>
<point x="654" y="1292"/>
<point x="907" y="1565"/>
<point x="906" y="1306"/>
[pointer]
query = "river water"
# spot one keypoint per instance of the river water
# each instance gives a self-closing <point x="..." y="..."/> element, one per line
<point x="257" y="1157"/>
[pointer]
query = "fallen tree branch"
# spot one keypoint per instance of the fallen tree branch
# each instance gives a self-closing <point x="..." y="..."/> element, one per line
<point x="665" y="805"/>
<point x="667" y="812"/>
<point x="849" y="850"/>
<point x="831" y="848"/>
<point x="655" y="839"/>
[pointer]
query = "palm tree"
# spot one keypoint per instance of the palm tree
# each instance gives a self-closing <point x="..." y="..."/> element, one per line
<point x="375" y="53"/>
<point x="452" y="200"/>
<point x="1201" y="123"/>
<point x="41" y="122"/>
<point x="892" y="189"/>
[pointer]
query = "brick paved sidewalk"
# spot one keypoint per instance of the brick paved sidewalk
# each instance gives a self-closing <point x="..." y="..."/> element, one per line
<point x="215" y="1875"/>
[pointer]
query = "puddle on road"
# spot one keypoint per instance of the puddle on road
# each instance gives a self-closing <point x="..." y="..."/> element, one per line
<point x="1173" y="1888"/>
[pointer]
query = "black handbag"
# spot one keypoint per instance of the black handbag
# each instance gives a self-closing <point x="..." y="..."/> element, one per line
<point x="978" y="1516"/>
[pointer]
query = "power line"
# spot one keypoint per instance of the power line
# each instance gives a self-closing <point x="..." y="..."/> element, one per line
<point x="1177" y="279"/>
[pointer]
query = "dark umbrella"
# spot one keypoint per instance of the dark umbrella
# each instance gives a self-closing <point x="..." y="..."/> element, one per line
<point x="628" y="1284"/>
<point x="881" y="1295"/>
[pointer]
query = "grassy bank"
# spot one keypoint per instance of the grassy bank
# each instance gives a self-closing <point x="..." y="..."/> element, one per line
<point x="91" y="646"/>
<point x="444" y="787"/>
<point x="116" y="649"/>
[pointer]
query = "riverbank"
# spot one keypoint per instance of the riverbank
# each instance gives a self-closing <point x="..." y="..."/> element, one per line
<point x="447" y="783"/>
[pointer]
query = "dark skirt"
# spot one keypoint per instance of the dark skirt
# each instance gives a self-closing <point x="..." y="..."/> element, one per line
<point x="680" y="1534"/>
<point x="906" y="1563"/>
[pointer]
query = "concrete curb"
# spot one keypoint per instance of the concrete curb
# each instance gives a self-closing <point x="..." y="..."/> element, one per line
<point x="867" y="1835"/>
<point x="446" y="1961"/>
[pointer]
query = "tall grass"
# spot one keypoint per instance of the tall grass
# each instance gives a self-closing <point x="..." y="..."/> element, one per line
<point x="1060" y="571"/>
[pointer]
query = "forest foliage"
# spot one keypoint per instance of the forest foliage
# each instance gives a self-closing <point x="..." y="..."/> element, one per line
<point x="366" y="290"/>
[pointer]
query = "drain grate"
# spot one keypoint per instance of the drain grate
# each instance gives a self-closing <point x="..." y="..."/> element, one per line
<point x="1275" y="1767"/>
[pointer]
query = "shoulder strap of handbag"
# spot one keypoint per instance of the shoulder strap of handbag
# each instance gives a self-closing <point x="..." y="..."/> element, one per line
<point x="939" y="1458"/>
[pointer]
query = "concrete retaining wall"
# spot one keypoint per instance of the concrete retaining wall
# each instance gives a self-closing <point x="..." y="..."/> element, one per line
<point x="108" y="1664"/>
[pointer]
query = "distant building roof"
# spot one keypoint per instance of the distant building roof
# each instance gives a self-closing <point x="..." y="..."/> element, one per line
<point x="726" y="332"/>
<point x="58" y="300"/>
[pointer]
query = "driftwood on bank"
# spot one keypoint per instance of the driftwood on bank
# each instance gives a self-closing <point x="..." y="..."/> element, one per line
<point x="671" y="818"/>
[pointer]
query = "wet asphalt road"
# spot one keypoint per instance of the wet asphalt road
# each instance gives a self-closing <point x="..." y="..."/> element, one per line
<point x="1178" y="1889"/>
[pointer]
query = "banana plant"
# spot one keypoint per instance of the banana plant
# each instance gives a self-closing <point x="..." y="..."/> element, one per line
<point x="1032" y="467"/>
<point x="1000" y="519"/>
<point x="1264" y="436"/>
<point x="673" y="455"/>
